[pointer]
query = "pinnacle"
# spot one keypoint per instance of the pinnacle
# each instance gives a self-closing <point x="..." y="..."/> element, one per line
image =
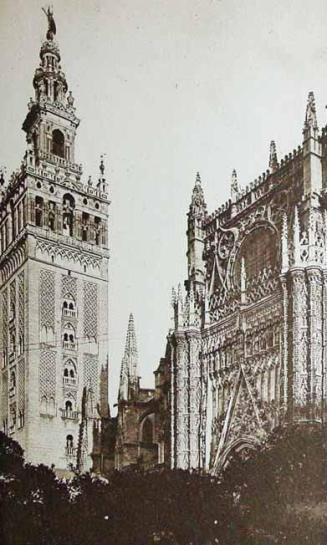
<point x="273" y="160"/>
<point x="198" y="179"/>
<point x="310" y="113"/>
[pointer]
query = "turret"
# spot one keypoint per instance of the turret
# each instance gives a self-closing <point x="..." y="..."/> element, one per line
<point x="129" y="380"/>
<point x="312" y="174"/>
<point x="195" y="238"/>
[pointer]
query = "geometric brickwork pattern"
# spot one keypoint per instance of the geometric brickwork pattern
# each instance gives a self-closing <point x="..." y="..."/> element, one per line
<point x="91" y="374"/>
<point x="4" y="396"/>
<point x="13" y="298"/>
<point x="4" y="340"/>
<point x="47" y="374"/>
<point x="21" y="385"/>
<point x="69" y="286"/>
<point x="21" y="310"/>
<point x="47" y="298"/>
<point x="90" y="300"/>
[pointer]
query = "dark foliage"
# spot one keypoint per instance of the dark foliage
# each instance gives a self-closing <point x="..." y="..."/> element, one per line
<point x="278" y="496"/>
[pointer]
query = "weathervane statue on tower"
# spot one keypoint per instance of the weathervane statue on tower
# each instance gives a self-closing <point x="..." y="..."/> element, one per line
<point x="51" y="22"/>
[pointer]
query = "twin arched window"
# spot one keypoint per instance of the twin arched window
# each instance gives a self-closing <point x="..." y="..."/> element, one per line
<point x="69" y="306"/>
<point x="70" y="377"/>
<point x="69" y="337"/>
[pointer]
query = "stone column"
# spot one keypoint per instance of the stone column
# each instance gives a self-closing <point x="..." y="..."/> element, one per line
<point x="181" y="403"/>
<point x="298" y="353"/>
<point x="194" y="398"/>
<point x="315" y="342"/>
<point x="324" y="348"/>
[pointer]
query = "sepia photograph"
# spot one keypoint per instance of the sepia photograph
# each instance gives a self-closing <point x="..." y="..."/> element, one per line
<point x="163" y="272"/>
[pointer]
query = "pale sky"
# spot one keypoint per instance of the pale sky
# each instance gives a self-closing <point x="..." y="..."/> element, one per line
<point x="166" y="88"/>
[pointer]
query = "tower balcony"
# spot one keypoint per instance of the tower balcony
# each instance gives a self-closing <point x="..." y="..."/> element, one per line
<point x="69" y="414"/>
<point x="60" y="161"/>
<point x="67" y="312"/>
<point x="68" y="345"/>
<point x="71" y="452"/>
<point x="70" y="381"/>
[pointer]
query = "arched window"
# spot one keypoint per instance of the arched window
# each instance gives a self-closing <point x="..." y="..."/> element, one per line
<point x="68" y="215"/>
<point x="147" y="431"/>
<point x="85" y="226"/>
<point x="69" y="338"/>
<point x="97" y="228"/>
<point x="68" y="407"/>
<point x="69" y="445"/>
<point x="69" y="306"/>
<point x="58" y="143"/>
<point x="52" y="216"/>
<point x="70" y="378"/>
<point x="38" y="211"/>
<point x="12" y="384"/>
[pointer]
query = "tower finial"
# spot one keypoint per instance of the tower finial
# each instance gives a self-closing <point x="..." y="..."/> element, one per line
<point x="310" y="113"/>
<point x="234" y="185"/>
<point x="273" y="161"/>
<point x="102" y="167"/>
<point x="51" y="23"/>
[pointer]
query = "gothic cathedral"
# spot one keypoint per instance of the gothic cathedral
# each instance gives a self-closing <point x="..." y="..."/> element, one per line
<point x="54" y="282"/>
<point x="248" y="348"/>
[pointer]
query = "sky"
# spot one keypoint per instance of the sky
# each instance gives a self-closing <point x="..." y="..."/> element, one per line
<point x="166" y="88"/>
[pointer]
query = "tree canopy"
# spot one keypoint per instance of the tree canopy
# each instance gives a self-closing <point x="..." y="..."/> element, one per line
<point x="277" y="496"/>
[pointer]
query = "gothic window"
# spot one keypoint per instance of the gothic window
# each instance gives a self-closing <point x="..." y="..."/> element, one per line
<point x="69" y="340"/>
<point x="259" y="251"/>
<point x="68" y="214"/>
<point x="147" y="431"/>
<point x="58" y="143"/>
<point x="38" y="211"/>
<point x="97" y="226"/>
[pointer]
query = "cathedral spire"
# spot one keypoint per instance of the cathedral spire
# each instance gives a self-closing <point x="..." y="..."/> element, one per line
<point x="312" y="167"/>
<point x="128" y="373"/>
<point x="273" y="161"/>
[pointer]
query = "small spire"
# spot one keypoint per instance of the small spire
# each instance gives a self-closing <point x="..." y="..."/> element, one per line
<point x="311" y="114"/>
<point x="234" y="185"/>
<point x="128" y="373"/>
<point x="198" y="205"/>
<point x="273" y="161"/>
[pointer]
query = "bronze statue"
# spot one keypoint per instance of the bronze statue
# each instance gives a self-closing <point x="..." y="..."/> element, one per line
<point x="51" y="23"/>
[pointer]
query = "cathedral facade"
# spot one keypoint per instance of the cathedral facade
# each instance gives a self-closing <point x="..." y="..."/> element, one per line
<point x="54" y="282"/>
<point x="248" y="348"/>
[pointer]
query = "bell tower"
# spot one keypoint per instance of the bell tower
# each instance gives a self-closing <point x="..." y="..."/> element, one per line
<point x="54" y="281"/>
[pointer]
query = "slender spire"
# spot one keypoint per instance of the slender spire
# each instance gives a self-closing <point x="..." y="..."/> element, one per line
<point x="310" y="113"/>
<point x="234" y="185"/>
<point x="128" y="373"/>
<point x="273" y="161"/>
<point x="198" y="205"/>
